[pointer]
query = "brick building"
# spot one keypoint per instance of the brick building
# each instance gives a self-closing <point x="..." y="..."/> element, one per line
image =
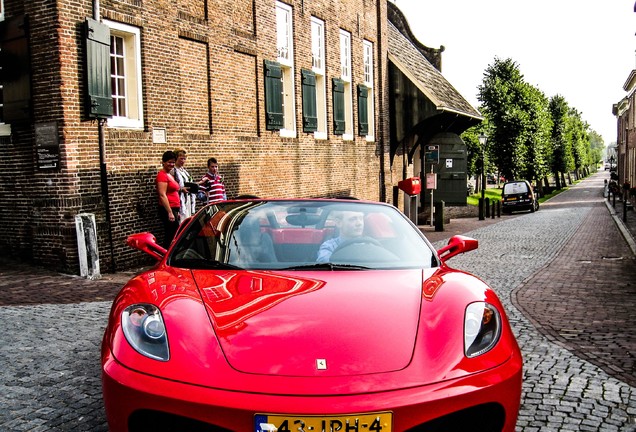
<point x="625" y="111"/>
<point x="292" y="98"/>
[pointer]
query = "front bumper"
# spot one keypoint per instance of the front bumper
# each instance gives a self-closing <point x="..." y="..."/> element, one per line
<point x="127" y="393"/>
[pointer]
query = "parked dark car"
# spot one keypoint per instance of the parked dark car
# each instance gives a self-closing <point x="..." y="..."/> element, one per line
<point x="518" y="195"/>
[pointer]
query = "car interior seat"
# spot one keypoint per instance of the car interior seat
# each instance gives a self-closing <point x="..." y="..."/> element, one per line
<point x="253" y="245"/>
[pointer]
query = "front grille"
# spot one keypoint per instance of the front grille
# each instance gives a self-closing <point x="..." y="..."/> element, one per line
<point x="483" y="418"/>
<point x="155" y="421"/>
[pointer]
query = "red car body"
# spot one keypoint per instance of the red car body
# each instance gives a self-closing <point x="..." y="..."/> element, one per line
<point x="255" y="349"/>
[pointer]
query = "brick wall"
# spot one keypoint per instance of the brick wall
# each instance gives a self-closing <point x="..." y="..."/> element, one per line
<point x="203" y="82"/>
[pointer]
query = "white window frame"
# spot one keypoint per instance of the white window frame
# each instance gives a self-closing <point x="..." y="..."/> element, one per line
<point x="132" y="73"/>
<point x="285" y="53"/>
<point x="367" y="52"/>
<point x="318" y="67"/>
<point x="317" y="45"/>
<point x="345" y="75"/>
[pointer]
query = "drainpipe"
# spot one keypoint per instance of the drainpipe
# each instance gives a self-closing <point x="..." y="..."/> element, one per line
<point x="101" y="124"/>
<point x="382" y="87"/>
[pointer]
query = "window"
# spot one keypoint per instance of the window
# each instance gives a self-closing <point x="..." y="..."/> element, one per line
<point x="345" y="55"/>
<point x="285" y="50"/>
<point x="125" y="73"/>
<point x="5" y="129"/>
<point x="366" y="113"/>
<point x="317" y="44"/>
<point x="318" y="68"/>
<point x="345" y="78"/>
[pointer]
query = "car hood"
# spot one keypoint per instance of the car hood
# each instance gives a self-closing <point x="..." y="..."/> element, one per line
<point x="327" y="323"/>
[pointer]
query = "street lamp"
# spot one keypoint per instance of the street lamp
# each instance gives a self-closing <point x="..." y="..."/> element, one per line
<point x="482" y="141"/>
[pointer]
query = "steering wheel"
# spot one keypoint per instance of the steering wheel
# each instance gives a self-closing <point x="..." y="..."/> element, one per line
<point x="354" y="251"/>
<point x="357" y="240"/>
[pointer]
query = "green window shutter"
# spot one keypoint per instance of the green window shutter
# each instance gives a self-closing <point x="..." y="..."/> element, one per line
<point x="16" y="69"/>
<point x="363" y="110"/>
<point x="338" y="107"/>
<point x="310" y="112"/>
<point x="274" y="116"/>
<point x="99" y="96"/>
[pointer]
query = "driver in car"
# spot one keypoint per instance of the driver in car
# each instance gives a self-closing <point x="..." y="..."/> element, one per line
<point x="350" y="225"/>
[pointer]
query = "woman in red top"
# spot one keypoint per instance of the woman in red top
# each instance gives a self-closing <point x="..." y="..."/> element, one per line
<point x="169" y="203"/>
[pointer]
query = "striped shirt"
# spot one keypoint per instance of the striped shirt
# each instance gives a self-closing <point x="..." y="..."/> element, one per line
<point x="213" y="187"/>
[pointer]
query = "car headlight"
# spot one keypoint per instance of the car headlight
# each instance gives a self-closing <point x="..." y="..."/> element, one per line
<point x="482" y="328"/>
<point x="145" y="331"/>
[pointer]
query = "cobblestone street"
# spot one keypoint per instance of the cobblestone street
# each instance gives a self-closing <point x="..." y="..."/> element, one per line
<point x="565" y="274"/>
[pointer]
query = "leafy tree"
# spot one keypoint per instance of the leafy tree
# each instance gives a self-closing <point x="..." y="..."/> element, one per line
<point x="597" y="145"/>
<point x="577" y="136"/>
<point x="501" y="94"/>
<point x="475" y="153"/>
<point x="529" y="135"/>
<point x="536" y="145"/>
<point x="560" y="148"/>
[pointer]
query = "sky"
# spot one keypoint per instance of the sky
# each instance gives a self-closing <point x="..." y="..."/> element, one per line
<point x="583" y="50"/>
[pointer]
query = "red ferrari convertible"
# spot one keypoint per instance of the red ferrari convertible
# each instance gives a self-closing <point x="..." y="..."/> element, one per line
<point x="307" y="315"/>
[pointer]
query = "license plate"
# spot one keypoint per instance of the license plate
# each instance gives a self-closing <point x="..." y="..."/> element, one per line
<point x="512" y="199"/>
<point x="374" y="422"/>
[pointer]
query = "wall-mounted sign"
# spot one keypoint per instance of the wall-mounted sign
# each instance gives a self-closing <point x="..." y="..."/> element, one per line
<point x="47" y="146"/>
<point x="431" y="180"/>
<point x="449" y="163"/>
<point x="431" y="154"/>
<point x="159" y="136"/>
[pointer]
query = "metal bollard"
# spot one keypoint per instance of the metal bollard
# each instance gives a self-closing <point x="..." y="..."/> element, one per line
<point x="498" y="209"/>
<point x="487" y="207"/>
<point x="481" y="209"/>
<point x="492" y="212"/>
<point x="439" y="216"/>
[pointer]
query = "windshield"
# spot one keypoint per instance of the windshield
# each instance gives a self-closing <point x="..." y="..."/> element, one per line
<point x="298" y="235"/>
<point x="515" y="188"/>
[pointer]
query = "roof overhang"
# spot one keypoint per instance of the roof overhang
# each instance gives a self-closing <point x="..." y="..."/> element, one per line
<point x="416" y="67"/>
<point x="631" y="81"/>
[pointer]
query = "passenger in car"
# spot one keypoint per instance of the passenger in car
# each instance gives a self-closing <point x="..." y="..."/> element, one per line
<point x="350" y="225"/>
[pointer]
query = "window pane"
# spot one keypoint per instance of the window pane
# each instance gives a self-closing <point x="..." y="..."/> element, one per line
<point x="368" y="63"/>
<point x="121" y="107"/>
<point x="120" y="66"/>
<point x="317" y="44"/>
<point x="283" y="32"/>
<point x="345" y="55"/>
<point x="118" y="76"/>
<point x="121" y="87"/>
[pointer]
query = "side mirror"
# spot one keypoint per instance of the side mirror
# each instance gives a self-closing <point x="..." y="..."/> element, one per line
<point x="456" y="245"/>
<point x="146" y="242"/>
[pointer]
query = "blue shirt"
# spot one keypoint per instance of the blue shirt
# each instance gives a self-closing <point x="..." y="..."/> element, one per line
<point x="327" y="248"/>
